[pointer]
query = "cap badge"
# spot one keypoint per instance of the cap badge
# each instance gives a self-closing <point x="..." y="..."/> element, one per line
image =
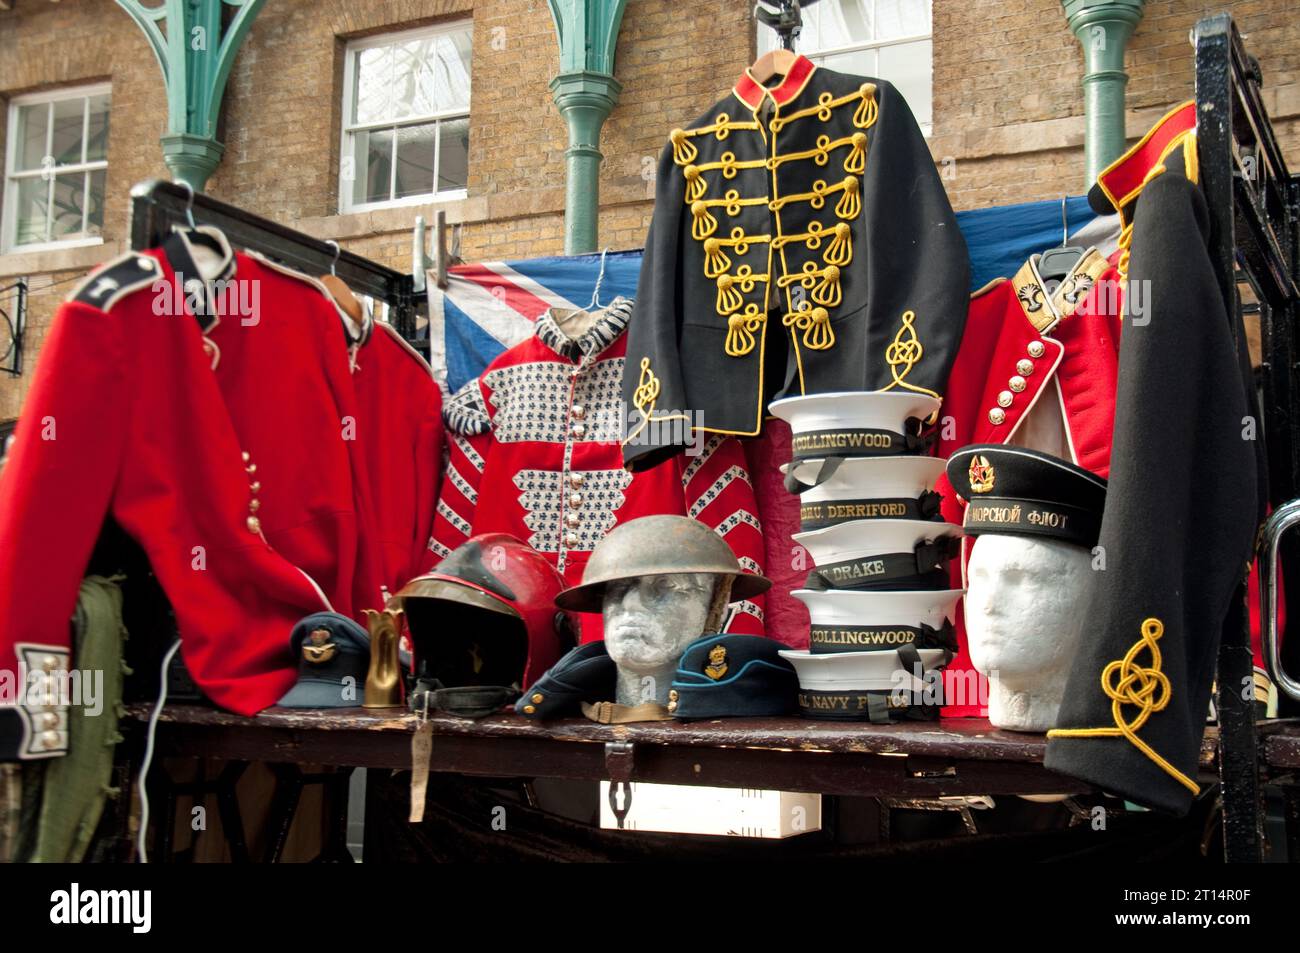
<point x="981" y="474"/>
<point x="717" y="666"/>
<point x="319" y="649"/>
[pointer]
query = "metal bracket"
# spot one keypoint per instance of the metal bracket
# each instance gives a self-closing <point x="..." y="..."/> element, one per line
<point x="619" y="756"/>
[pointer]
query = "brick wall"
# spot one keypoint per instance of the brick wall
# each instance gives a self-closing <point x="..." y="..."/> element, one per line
<point x="1007" y="111"/>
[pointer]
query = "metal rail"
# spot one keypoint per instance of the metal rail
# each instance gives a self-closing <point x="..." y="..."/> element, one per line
<point x="1251" y="198"/>
<point x="157" y="205"/>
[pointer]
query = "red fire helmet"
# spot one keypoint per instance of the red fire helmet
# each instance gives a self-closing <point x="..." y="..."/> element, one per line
<point x="486" y="614"/>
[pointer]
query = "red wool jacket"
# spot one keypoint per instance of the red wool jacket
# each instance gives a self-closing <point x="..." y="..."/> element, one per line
<point x="534" y="451"/>
<point x="218" y="443"/>
<point x="1023" y="350"/>
<point x="400" y="430"/>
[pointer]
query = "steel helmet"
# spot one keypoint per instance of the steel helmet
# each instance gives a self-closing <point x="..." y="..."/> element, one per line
<point x="659" y="546"/>
<point x="486" y="615"/>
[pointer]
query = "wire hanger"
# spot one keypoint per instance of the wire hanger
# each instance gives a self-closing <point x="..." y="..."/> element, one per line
<point x="1057" y="262"/>
<point x="595" y="292"/>
<point x="195" y="234"/>
<point x="339" y="289"/>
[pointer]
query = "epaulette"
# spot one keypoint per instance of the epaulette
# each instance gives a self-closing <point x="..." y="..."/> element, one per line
<point x="116" y="279"/>
<point x="465" y="412"/>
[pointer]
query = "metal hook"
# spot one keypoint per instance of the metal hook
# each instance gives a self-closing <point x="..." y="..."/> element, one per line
<point x="189" y="205"/>
<point x="1065" y="228"/>
<point x="337" y="251"/>
<point x="595" y="292"/>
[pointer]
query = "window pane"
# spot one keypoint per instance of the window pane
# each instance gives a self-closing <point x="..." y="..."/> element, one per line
<point x="437" y="70"/>
<point x="30" y="147"/>
<point x="415" y="160"/>
<point x="902" y="18"/>
<point x="373" y="86"/>
<point x="69" y="202"/>
<point x="97" y="144"/>
<point x="453" y="154"/>
<point x="30" y="216"/>
<point x="857" y="63"/>
<point x="98" y="195"/>
<point x="835" y="24"/>
<point x="374" y="163"/>
<point x="907" y="66"/>
<point x="69" y="114"/>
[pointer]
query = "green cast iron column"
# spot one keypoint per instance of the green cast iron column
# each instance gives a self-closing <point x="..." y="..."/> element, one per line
<point x="195" y="57"/>
<point x="585" y="91"/>
<point x="1103" y="29"/>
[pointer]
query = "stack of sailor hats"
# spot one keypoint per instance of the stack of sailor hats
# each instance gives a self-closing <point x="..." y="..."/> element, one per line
<point x="879" y="597"/>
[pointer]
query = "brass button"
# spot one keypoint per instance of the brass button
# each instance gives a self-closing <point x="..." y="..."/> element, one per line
<point x="254" y="505"/>
<point x="1024" y="366"/>
<point x="1037" y="349"/>
<point x="251" y="468"/>
<point x="537" y="698"/>
<point x="50" y="720"/>
<point x="579" y="430"/>
<point x="572" y="519"/>
<point x="1005" y="398"/>
<point x="254" y="524"/>
<point x="579" y="411"/>
<point x="246" y="456"/>
<point x="49" y="663"/>
<point x="575" y="499"/>
<point x="50" y="739"/>
<point x="1016" y="383"/>
<point x="255" y="486"/>
<point x="576" y="480"/>
<point x="571" y="540"/>
<point x="997" y="416"/>
<point x="529" y="709"/>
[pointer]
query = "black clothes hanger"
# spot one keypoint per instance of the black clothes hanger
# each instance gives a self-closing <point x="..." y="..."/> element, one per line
<point x="1057" y="262"/>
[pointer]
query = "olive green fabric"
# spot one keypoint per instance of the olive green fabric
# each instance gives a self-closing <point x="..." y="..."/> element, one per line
<point x="75" y="786"/>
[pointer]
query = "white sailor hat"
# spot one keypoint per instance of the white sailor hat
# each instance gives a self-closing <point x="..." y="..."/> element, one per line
<point x="868" y="686"/>
<point x="838" y="489"/>
<point x="880" y="621"/>
<point x="881" y="554"/>
<point x="856" y="423"/>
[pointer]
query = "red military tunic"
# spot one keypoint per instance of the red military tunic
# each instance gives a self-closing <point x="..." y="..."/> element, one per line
<point x="535" y="452"/>
<point x="1037" y="371"/>
<point x="219" y="448"/>
<point x="400" y="430"/>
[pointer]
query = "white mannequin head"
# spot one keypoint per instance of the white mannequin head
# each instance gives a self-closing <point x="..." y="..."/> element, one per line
<point x="649" y="621"/>
<point x="1023" y="623"/>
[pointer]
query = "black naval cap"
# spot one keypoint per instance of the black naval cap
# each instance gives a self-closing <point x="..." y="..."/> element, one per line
<point x="333" y="660"/>
<point x="584" y="674"/>
<point x="733" y="676"/>
<point x="1019" y="492"/>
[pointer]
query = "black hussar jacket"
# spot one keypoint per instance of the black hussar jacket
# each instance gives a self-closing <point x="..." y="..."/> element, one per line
<point x="1185" y="496"/>
<point x="802" y="242"/>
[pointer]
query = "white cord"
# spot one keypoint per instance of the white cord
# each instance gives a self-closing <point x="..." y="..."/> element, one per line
<point x="148" y="752"/>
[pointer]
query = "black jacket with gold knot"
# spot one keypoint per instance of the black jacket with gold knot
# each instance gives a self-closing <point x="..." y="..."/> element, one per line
<point x="801" y="242"/>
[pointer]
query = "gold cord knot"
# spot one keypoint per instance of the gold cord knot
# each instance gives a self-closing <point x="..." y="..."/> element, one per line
<point x="696" y="185"/>
<point x="850" y="203"/>
<point x="703" y="223"/>
<point x="1147" y="688"/>
<point x="840" y="250"/>
<point x="683" y="149"/>
<point x="741" y="330"/>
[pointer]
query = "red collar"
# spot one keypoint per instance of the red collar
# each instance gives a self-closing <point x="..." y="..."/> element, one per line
<point x="751" y="92"/>
<point x="1122" y="180"/>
